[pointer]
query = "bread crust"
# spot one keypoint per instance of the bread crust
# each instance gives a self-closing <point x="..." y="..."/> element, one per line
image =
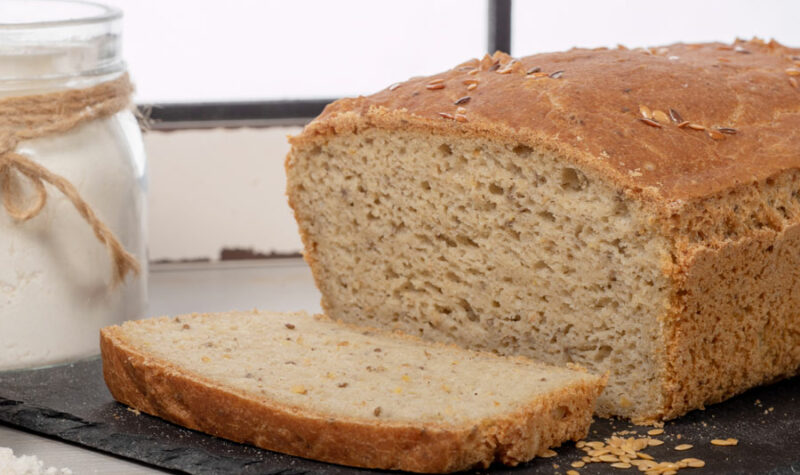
<point x="722" y="340"/>
<point x="161" y="389"/>
<point x="591" y="113"/>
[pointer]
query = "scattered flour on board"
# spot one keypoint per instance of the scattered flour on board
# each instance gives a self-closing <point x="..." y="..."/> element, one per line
<point x="26" y="465"/>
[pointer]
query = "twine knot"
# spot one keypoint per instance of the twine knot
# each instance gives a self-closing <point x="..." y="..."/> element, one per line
<point x="35" y="116"/>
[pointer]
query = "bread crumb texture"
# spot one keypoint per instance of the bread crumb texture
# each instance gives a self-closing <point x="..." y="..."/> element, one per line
<point x="553" y="223"/>
<point x="345" y="394"/>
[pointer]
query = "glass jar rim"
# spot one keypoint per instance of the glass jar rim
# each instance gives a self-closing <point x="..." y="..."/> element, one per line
<point x="103" y="13"/>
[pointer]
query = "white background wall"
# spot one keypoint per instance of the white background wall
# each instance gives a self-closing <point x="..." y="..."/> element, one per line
<point x="540" y="26"/>
<point x="187" y="50"/>
<point x="215" y="189"/>
<point x="190" y="50"/>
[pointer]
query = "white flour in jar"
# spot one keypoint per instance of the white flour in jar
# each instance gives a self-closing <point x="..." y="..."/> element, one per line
<point x="26" y="465"/>
<point x="55" y="277"/>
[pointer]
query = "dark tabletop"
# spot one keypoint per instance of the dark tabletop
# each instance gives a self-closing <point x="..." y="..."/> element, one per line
<point x="71" y="403"/>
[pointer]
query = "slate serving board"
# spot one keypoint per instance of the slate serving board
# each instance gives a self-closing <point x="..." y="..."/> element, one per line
<point x="70" y="402"/>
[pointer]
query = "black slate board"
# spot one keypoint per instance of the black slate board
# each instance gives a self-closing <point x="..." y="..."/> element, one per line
<point x="71" y="402"/>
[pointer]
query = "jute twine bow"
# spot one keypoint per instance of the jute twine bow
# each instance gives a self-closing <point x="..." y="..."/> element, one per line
<point x="30" y="117"/>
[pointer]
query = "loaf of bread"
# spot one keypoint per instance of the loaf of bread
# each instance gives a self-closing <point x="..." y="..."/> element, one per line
<point x="311" y="387"/>
<point x="635" y="212"/>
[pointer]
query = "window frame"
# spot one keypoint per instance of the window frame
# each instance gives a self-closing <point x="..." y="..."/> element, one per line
<point x="203" y="115"/>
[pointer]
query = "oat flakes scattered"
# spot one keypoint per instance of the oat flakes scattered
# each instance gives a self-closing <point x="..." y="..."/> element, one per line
<point x="624" y="453"/>
<point x="655" y="432"/>
<point x="725" y="442"/>
<point x="646" y="112"/>
<point x="694" y="463"/>
<point x="548" y="453"/>
<point x="683" y="447"/>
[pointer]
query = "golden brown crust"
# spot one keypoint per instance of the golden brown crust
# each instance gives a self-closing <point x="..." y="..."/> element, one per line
<point x="161" y="389"/>
<point x="591" y="112"/>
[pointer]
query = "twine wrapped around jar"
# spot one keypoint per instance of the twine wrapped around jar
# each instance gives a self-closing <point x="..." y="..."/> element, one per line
<point x="34" y="116"/>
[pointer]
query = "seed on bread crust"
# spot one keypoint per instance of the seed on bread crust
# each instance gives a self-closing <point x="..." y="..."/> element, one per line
<point x="675" y="116"/>
<point x="650" y="122"/>
<point x="660" y="116"/>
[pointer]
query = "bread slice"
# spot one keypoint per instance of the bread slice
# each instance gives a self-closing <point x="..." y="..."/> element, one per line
<point x="307" y="386"/>
<point x="636" y="212"/>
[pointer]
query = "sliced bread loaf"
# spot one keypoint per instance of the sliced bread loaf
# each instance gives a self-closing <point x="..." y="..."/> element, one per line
<point x="307" y="386"/>
<point x="636" y="212"/>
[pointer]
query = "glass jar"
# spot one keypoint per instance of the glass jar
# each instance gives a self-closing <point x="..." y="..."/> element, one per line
<point x="56" y="285"/>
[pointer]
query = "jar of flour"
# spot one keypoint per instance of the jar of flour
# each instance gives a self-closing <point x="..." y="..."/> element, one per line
<point x="72" y="182"/>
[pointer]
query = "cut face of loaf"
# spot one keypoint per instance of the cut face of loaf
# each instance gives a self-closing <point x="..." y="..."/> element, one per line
<point x="549" y="221"/>
<point x="315" y="388"/>
<point x="488" y="245"/>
